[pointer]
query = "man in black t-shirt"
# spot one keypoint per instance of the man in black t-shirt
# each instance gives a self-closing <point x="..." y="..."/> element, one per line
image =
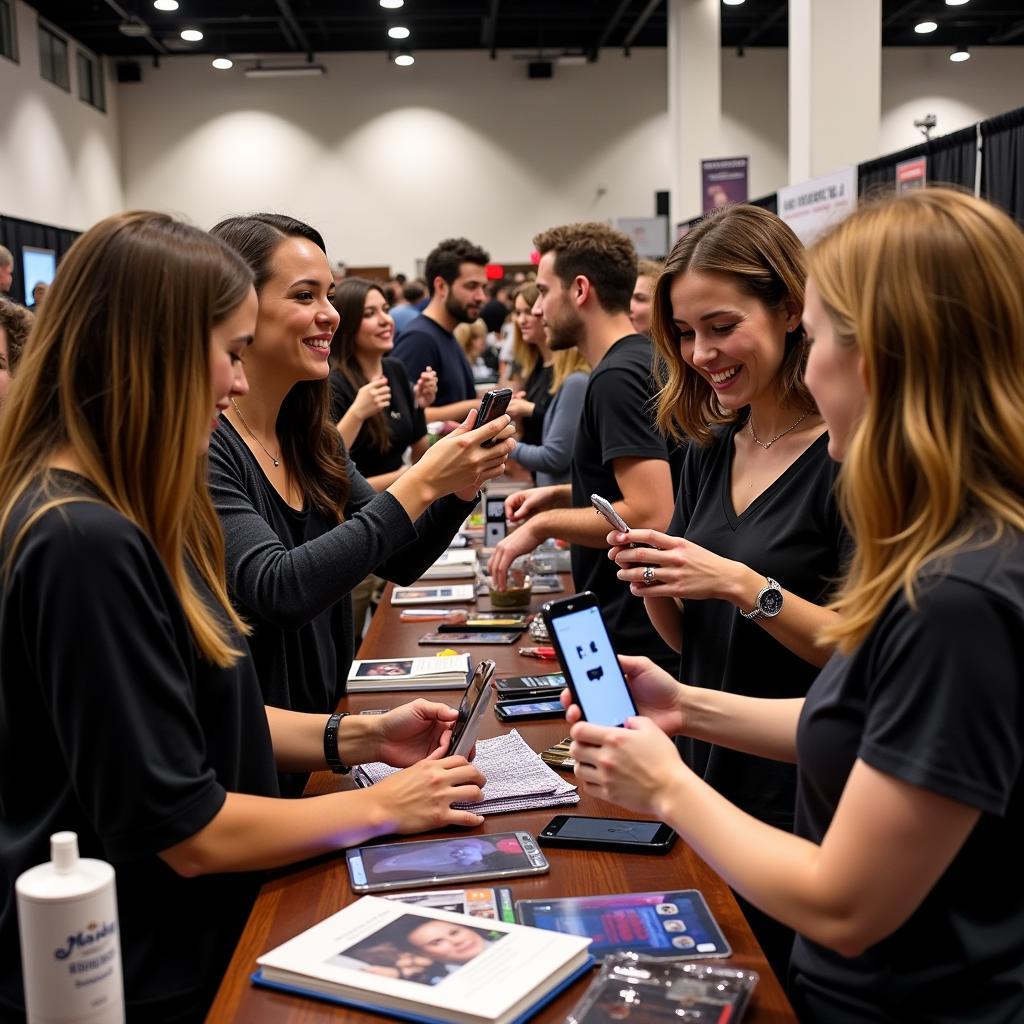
<point x="586" y="277"/>
<point x="456" y="275"/>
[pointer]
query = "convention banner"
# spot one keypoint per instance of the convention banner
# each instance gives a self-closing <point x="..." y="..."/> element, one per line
<point x="724" y="181"/>
<point x="813" y="206"/>
<point x="911" y="174"/>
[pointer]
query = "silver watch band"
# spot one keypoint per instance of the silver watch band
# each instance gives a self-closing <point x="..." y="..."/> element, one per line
<point x="756" y="613"/>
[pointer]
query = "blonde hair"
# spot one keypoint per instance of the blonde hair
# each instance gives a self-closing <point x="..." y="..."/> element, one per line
<point x="118" y="374"/>
<point x="466" y="334"/>
<point x="762" y="256"/>
<point x="525" y="356"/>
<point x="565" y="362"/>
<point x="927" y="287"/>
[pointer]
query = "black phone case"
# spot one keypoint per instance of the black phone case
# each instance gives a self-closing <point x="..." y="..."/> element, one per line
<point x="606" y="844"/>
<point x="493" y="405"/>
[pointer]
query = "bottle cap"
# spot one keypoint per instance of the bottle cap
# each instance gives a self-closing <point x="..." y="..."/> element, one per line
<point x="64" y="852"/>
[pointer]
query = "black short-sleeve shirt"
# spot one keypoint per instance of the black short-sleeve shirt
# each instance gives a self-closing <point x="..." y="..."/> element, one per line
<point x="617" y="422"/>
<point x="934" y="697"/>
<point x="791" y="532"/>
<point x="426" y="343"/>
<point x="113" y="726"/>
<point x="538" y="391"/>
<point x="406" y="422"/>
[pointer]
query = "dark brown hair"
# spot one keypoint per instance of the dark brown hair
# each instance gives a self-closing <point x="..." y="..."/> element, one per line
<point x="447" y="257"/>
<point x="762" y="256"/>
<point x="310" y="445"/>
<point x="604" y="256"/>
<point x="17" y="322"/>
<point x="350" y="301"/>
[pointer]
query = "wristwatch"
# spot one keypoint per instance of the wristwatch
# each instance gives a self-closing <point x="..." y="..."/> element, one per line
<point x="768" y="602"/>
<point x="331" y="754"/>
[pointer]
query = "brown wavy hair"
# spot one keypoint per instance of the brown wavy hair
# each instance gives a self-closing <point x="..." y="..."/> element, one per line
<point x="761" y="255"/>
<point x="927" y="287"/>
<point x="17" y="323"/>
<point x="118" y="372"/>
<point x="350" y="300"/>
<point x="310" y="446"/>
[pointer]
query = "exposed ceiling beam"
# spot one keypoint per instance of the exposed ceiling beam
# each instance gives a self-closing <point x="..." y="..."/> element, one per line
<point x="285" y="7"/>
<point x="638" y="25"/>
<point x="489" y="29"/>
<point x="1011" y="33"/>
<point x="756" y="33"/>
<point x="125" y="16"/>
<point x="609" y="28"/>
<point x="898" y="13"/>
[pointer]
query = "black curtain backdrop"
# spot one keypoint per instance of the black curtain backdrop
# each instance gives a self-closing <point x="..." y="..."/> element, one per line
<point x="1002" y="162"/>
<point x="16" y="234"/>
<point x="952" y="160"/>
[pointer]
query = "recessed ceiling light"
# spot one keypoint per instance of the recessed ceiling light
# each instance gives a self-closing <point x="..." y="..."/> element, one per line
<point x="960" y="54"/>
<point x="398" y="32"/>
<point x="955" y="3"/>
<point x="165" y="5"/>
<point x="922" y="28"/>
<point x="405" y="60"/>
<point x="191" y="35"/>
<point x="223" y="63"/>
<point x="733" y="3"/>
<point x="392" y="5"/>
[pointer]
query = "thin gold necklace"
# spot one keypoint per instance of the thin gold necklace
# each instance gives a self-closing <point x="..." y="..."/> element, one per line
<point x="750" y="423"/>
<point x="276" y="461"/>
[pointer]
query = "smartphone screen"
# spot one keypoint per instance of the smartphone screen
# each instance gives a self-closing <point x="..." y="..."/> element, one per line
<point x="530" y="709"/>
<point x="618" y="830"/>
<point x="590" y="663"/>
<point x="476" y="693"/>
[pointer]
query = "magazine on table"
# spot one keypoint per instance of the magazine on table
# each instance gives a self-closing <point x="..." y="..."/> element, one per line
<point x="447" y="672"/>
<point x="417" y="962"/>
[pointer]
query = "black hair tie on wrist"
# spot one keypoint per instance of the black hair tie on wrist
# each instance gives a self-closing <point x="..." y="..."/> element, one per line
<point x="331" y="755"/>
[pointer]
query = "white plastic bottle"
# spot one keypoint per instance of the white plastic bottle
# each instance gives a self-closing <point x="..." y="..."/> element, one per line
<point x="70" y="950"/>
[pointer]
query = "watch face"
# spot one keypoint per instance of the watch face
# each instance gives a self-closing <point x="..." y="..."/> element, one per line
<point x="770" y="602"/>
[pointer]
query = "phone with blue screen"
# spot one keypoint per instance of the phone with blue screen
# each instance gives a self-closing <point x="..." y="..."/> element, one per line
<point x="585" y="651"/>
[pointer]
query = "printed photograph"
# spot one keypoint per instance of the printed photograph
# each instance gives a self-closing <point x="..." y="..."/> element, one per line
<point x="386" y="668"/>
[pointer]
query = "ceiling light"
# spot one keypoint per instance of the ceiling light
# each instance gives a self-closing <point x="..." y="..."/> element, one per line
<point x="960" y="54"/>
<point x="165" y="5"/>
<point x="922" y="28"/>
<point x="733" y="3"/>
<point x="392" y="5"/>
<point x="223" y="63"/>
<point x="287" y="71"/>
<point x="398" y="32"/>
<point x="405" y="60"/>
<point x="191" y="35"/>
<point x="955" y="3"/>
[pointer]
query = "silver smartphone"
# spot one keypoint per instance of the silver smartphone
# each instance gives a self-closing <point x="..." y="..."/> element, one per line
<point x="418" y="862"/>
<point x="472" y="707"/>
<point x="614" y="520"/>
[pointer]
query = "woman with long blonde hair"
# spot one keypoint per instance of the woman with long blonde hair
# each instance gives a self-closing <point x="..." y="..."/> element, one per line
<point x="130" y="712"/>
<point x="533" y="362"/>
<point x="903" y="880"/>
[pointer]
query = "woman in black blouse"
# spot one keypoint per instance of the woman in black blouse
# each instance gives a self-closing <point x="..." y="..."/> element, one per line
<point x="129" y="709"/>
<point x="903" y="880"/>
<point x="302" y="526"/>
<point x="379" y="416"/>
<point x="534" y="362"/>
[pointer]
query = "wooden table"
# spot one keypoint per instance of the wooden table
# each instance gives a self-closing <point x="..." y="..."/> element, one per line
<point x="299" y="898"/>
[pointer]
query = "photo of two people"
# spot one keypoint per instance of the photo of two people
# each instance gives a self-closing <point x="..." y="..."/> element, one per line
<point x="419" y="949"/>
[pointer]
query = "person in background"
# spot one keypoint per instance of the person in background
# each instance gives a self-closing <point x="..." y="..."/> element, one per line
<point x="456" y="276"/>
<point x="6" y="270"/>
<point x="585" y="278"/>
<point x="38" y="294"/>
<point x="302" y="526"/>
<point x="534" y="364"/>
<point x="15" y="323"/>
<point x="483" y="361"/>
<point x="407" y="308"/>
<point x="903" y="880"/>
<point x="120" y="652"/>
<point x="643" y="292"/>
<point x="496" y="309"/>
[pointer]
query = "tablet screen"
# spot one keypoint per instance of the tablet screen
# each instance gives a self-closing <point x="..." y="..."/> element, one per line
<point x="662" y="924"/>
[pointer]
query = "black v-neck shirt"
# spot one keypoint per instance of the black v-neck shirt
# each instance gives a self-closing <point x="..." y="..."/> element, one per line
<point x="792" y="532"/>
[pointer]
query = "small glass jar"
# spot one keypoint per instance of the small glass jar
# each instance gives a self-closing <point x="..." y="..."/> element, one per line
<point x="517" y="592"/>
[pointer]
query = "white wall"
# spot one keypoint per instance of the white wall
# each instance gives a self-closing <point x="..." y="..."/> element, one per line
<point x="60" y="157"/>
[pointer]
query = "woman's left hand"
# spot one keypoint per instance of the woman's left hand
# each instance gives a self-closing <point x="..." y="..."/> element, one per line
<point x="413" y="731"/>
<point x="637" y="767"/>
<point x="425" y="390"/>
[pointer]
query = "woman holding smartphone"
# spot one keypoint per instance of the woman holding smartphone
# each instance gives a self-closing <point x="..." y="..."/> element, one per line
<point x="130" y="712"/>
<point x="903" y="880"/>
<point x="302" y="526"/>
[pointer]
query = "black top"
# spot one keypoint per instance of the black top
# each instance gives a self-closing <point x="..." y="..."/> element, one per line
<point x="426" y="343"/>
<point x="538" y="391"/>
<point x="933" y="697"/>
<point x="791" y="532"/>
<point x="112" y="725"/>
<point x="290" y="573"/>
<point x="616" y="423"/>
<point x="494" y="313"/>
<point x="406" y="422"/>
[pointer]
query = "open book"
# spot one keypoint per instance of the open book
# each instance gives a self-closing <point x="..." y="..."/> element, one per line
<point x="450" y="672"/>
<point x="425" y="964"/>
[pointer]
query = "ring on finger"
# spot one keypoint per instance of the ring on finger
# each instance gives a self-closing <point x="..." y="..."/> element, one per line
<point x="648" y="576"/>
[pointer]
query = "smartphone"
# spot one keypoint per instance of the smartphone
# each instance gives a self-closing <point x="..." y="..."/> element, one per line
<point x="466" y="639"/>
<point x="526" y="710"/>
<point x="412" y="864"/>
<point x="625" y="835"/>
<point x="614" y="520"/>
<point x="492" y="405"/>
<point x="530" y="686"/>
<point x="474" y="703"/>
<point x="487" y="622"/>
<point x="585" y="652"/>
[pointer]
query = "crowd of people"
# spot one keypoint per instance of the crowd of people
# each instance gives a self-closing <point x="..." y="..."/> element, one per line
<point x="212" y="454"/>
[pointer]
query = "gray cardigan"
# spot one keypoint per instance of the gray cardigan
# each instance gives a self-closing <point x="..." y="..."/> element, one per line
<point x="550" y="460"/>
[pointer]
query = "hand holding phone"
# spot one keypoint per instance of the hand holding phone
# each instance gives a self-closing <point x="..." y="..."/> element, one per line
<point x="614" y="520"/>
<point x="474" y="703"/>
<point x="492" y="405"/>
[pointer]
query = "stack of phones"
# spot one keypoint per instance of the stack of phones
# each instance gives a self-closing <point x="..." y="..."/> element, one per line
<point x="522" y="698"/>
